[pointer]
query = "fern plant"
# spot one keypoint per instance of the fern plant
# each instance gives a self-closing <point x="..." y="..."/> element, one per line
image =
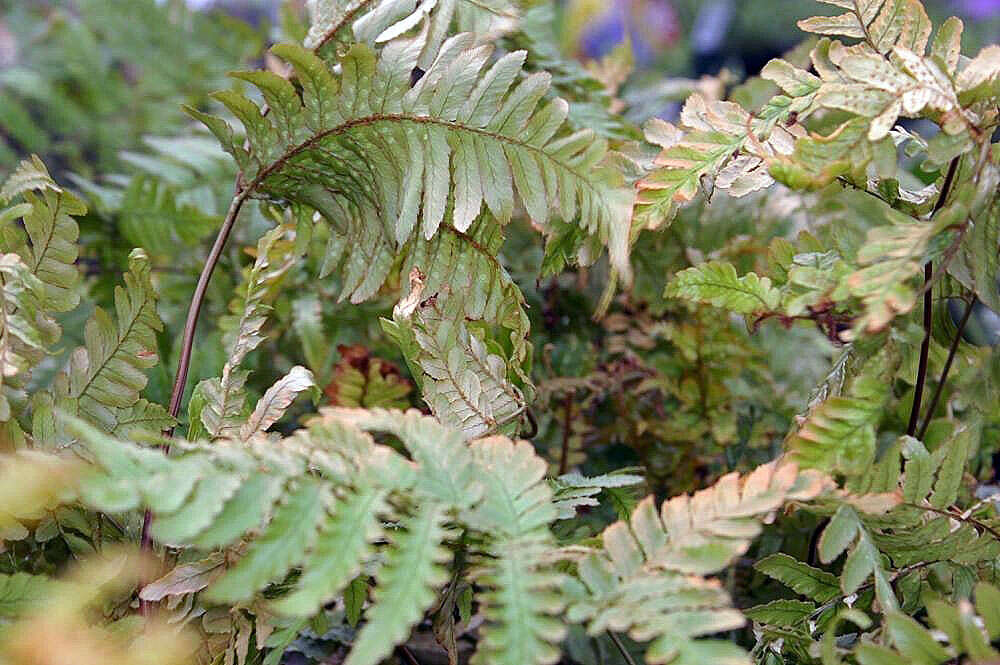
<point x="393" y="172"/>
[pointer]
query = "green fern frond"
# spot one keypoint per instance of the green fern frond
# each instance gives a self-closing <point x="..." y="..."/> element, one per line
<point x="405" y="585"/>
<point x="219" y="404"/>
<point x="336" y="25"/>
<point x="839" y="433"/>
<point x="49" y="249"/>
<point x="516" y="510"/>
<point x="717" y="284"/>
<point x="318" y="500"/>
<point x="107" y="374"/>
<point x="22" y="340"/>
<point x="457" y="134"/>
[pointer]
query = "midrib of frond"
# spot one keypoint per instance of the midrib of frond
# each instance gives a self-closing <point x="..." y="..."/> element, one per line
<point x="48" y="240"/>
<point x="226" y="384"/>
<point x="365" y="121"/>
<point x="343" y="23"/>
<point x="730" y="287"/>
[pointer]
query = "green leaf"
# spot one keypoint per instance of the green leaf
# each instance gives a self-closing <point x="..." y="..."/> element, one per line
<point x="786" y="613"/>
<point x="717" y="284"/>
<point x="21" y="592"/>
<point x="914" y="643"/>
<point x="838" y="534"/>
<point x="802" y="578"/>
<point x="949" y="476"/>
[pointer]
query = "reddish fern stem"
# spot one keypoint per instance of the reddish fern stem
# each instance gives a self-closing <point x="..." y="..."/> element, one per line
<point x="187" y="345"/>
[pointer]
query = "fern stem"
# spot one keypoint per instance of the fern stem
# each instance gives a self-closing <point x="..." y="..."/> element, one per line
<point x="187" y="345"/>
<point x="198" y="298"/>
<point x="947" y="368"/>
<point x="960" y="517"/>
<point x="925" y="346"/>
<point x="410" y="658"/>
<point x="925" y="349"/>
<point x="567" y="425"/>
<point x="621" y="648"/>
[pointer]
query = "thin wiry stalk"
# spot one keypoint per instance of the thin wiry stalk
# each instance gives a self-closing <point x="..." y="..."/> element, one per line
<point x="947" y="367"/>
<point x="621" y="648"/>
<point x="925" y="346"/>
<point x="187" y="344"/>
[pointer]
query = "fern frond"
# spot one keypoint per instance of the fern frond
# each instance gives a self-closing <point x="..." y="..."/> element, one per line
<point x="647" y="577"/>
<point x="219" y="403"/>
<point x="318" y="500"/>
<point x="406" y="584"/>
<point x="839" y="433"/>
<point x="882" y="24"/>
<point x="516" y="509"/>
<point x="50" y="248"/>
<point x="22" y="340"/>
<point x="463" y="381"/>
<point x="459" y="131"/>
<point x="107" y="374"/>
<point x="721" y="142"/>
<point x="717" y="284"/>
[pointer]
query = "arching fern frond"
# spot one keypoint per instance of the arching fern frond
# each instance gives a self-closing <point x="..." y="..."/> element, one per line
<point x="320" y="499"/>
<point x="461" y="136"/>
<point x="647" y="578"/>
